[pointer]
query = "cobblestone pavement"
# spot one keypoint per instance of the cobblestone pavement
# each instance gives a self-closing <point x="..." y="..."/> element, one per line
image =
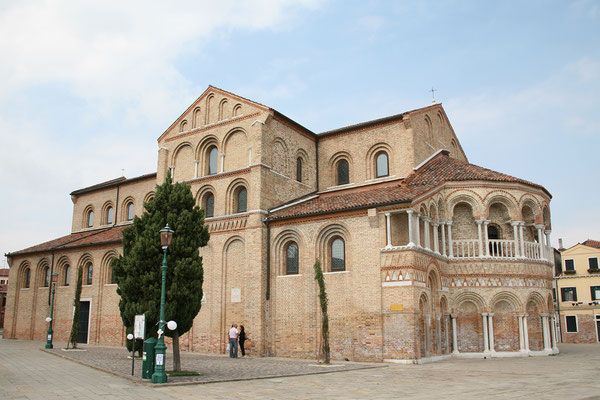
<point x="28" y="373"/>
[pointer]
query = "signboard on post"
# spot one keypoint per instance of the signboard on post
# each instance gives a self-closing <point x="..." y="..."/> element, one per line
<point x="139" y="327"/>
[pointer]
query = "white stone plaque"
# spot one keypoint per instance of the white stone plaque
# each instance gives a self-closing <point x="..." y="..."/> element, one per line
<point x="236" y="295"/>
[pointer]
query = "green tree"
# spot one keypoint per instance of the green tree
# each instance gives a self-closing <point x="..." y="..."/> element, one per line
<point x="325" y="351"/>
<point x="137" y="271"/>
<point x="77" y="305"/>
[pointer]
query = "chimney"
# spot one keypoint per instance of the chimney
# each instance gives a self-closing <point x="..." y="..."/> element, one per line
<point x="560" y="245"/>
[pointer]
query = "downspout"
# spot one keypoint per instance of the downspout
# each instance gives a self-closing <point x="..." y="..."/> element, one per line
<point x="268" y="288"/>
<point x="317" y="160"/>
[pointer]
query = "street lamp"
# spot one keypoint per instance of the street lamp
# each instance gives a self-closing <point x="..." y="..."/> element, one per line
<point x="49" y="336"/>
<point x="159" y="375"/>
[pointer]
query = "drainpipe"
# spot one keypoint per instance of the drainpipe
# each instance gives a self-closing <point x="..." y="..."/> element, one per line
<point x="50" y="280"/>
<point x="268" y="288"/>
<point x="317" y="161"/>
<point x="116" y="206"/>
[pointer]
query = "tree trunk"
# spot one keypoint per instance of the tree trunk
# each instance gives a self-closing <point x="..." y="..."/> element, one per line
<point x="325" y="329"/>
<point x="176" y="355"/>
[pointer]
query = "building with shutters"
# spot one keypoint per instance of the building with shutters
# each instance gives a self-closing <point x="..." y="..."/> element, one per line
<point x="425" y="255"/>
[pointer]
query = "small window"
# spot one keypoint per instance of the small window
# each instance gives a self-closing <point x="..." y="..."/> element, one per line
<point x="382" y="165"/>
<point x="291" y="265"/>
<point x="568" y="294"/>
<point x="109" y="215"/>
<point x="90" y="219"/>
<point x="593" y="262"/>
<point x="241" y="200"/>
<point x="569" y="265"/>
<point x="209" y="205"/>
<point x="213" y="160"/>
<point x="130" y="212"/>
<point x="343" y="172"/>
<point x="299" y="169"/>
<point x="595" y="292"/>
<point x="571" y="323"/>
<point x="67" y="275"/>
<point x="338" y="255"/>
<point x="46" y="277"/>
<point x="113" y="278"/>
<point x="27" y="277"/>
<point x="89" y="274"/>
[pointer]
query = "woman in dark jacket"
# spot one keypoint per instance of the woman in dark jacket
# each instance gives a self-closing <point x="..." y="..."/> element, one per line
<point x="242" y="339"/>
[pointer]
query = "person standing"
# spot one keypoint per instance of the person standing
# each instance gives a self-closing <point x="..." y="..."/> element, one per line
<point x="242" y="339"/>
<point x="233" y="341"/>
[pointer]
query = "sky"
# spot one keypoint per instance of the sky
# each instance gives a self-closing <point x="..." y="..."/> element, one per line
<point x="86" y="88"/>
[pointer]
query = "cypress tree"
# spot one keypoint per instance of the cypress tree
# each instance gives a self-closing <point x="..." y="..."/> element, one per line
<point x="77" y="305"/>
<point x="325" y="350"/>
<point x="137" y="271"/>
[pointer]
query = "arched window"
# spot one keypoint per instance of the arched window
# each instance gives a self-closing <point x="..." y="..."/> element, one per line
<point x="343" y="172"/>
<point x="67" y="275"/>
<point x="90" y="219"/>
<point x="299" y="169"/>
<point x="382" y="164"/>
<point x="213" y="160"/>
<point x="338" y="254"/>
<point x="493" y="234"/>
<point x="27" y="277"/>
<point x="109" y="215"/>
<point x="46" y="277"/>
<point x="89" y="272"/>
<point x="291" y="263"/>
<point x="209" y="205"/>
<point x="242" y="195"/>
<point x="113" y="278"/>
<point x="130" y="212"/>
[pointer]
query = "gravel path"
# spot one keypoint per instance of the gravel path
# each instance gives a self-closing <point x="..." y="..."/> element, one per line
<point x="212" y="368"/>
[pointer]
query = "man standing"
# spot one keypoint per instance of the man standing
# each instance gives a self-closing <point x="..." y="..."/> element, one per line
<point x="233" y="341"/>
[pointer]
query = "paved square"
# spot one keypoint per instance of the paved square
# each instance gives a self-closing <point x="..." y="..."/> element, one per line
<point x="28" y="373"/>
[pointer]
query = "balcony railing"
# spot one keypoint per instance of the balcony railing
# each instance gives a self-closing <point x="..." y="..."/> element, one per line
<point x="465" y="248"/>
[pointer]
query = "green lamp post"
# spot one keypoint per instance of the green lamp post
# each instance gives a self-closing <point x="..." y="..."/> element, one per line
<point x="49" y="319"/>
<point x="159" y="375"/>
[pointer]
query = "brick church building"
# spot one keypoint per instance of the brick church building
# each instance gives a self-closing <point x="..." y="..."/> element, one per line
<point x="426" y="256"/>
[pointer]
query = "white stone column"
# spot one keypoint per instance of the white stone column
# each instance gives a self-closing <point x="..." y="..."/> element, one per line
<point x="443" y="225"/>
<point x="418" y="226"/>
<point x="525" y="333"/>
<point x="410" y="227"/>
<point x="450" y="251"/>
<point x="172" y="169"/>
<point x="478" y="222"/>
<point x="436" y="245"/>
<point x="388" y="229"/>
<point x="426" y="232"/>
<point x="486" y="346"/>
<point x="427" y="334"/>
<point x="446" y="334"/>
<point x="491" y="331"/>
<point x="438" y="331"/>
<point x="553" y="333"/>
<point x="222" y="162"/>
<point x="515" y="225"/>
<point x="541" y="240"/>
<point x="454" y="339"/>
<point x="521" y="225"/>
<point x="546" y="333"/>
<point x="549" y="252"/>
<point x="196" y="162"/>
<point x="486" y="245"/>
<point x="521" y="334"/>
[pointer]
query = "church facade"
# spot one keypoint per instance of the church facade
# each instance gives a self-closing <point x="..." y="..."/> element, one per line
<point x="425" y="255"/>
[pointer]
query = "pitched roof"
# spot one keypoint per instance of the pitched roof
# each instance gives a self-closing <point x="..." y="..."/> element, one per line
<point x="592" y="243"/>
<point x="94" y="237"/>
<point x="439" y="169"/>
<point x="111" y="183"/>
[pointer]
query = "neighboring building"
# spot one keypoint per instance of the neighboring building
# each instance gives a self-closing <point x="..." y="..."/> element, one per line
<point x="424" y="254"/>
<point x="578" y="292"/>
<point x="3" y="290"/>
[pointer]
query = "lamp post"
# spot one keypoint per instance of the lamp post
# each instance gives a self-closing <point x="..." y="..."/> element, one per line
<point x="49" y="336"/>
<point x="159" y="375"/>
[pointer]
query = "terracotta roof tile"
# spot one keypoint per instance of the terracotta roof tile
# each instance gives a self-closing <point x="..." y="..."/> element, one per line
<point x="592" y="243"/>
<point x="434" y="172"/>
<point x="79" y="239"/>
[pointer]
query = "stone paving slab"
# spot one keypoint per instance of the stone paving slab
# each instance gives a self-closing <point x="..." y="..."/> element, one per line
<point x="211" y="368"/>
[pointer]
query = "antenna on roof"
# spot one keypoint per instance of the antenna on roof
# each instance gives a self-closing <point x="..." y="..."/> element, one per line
<point x="433" y="95"/>
<point x="123" y="172"/>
